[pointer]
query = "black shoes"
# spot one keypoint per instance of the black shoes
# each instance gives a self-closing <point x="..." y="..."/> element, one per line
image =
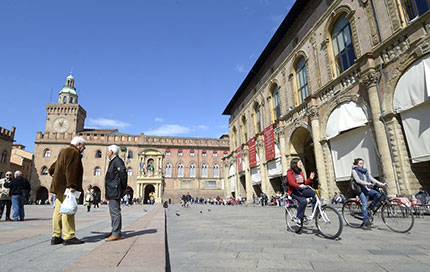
<point x="108" y="235"/>
<point x="56" y="240"/>
<point x="367" y="225"/>
<point x="73" y="241"/>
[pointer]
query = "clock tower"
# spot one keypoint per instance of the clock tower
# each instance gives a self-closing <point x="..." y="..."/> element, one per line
<point x="66" y="116"/>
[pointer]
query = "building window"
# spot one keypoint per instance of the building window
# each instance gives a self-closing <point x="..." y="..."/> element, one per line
<point x="129" y="172"/>
<point x="167" y="152"/>
<point x="275" y="103"/>
<point x="415" y="8"/>
<point x="192" y="171"/>
<point x="44" y="171"/>
<point x="97" y="171"/>
<point x="244" y="130"/>
<point x="186" y="184"/>
<point x="47" y="153"/>
<point x="168" y="170"/>
<point x="204" y="171"/>
<point x="204" y="154"/>
<point x="210" y="184"/>
<point x="180" y="153"/>
<point x="64" y="99"/>
<point x="302" y="80"/>
<point x="225" y="153"/>
<point x="257" y="118"/>
<point x="4" y="157"/>
<point x="98" y="154"/>
<point x="180" y="170"/>
<point x="71" y="100"/>
<point x="233" y="138"/>
<point x="216" y="171"/>
<point x="130" y="154"/>
<point x="215" y="154"/>
<point x="342" y="45"/>
<point x="192" y="153"/>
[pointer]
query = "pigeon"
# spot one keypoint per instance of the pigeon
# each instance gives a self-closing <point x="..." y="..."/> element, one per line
<point x="201" y="212"/>
<point x="178" y="214"/>
<point x="209" y="210"/>
<point x="145" y="210"/>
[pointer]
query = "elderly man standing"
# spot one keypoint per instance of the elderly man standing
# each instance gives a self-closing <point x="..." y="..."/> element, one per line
<point x="115" y="184"/>
<point x="67" y="173"/>
<point x="19" y="190"/>
<point x="5" y="199"/>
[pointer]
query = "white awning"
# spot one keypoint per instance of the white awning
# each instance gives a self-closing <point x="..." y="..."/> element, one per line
<point x="413" y="87"/>
<point x="274" y="168"/>
<point x="356" y="143"/>
<point x="344" y="117"/>
<point x="256" y="175"/>
<point x="416" y="124"/>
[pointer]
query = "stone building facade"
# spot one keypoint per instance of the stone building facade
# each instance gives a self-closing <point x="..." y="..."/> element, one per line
<point x="6" y="142"/>
<point x="337" y="81"/>
<point x="168" y="166"/>
<point x="21" y="160"/>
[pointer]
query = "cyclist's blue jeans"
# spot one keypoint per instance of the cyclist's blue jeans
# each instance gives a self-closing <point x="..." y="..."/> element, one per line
<point x="300" y="195"/>
<point x="363" y="197"/>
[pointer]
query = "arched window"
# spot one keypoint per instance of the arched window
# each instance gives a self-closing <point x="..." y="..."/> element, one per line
<point x="276" y="107"/>
<point x="47" y="153"/>
<point x="71" y="100"/>
<point x="129" y="172"/>
<point x="415" y="8"/>
<point x="216" y="171"/>
<point x="130" y="154"/>
<point x="302" y="80"/>
<point x="192" y="171"/>
<point x="4" y="157"/>
<point x="233" y="138"/>
<point x="180" y="170"/>
<point x="258" y="124"/>
<point x="97" y="171"/>
<point x="64" y="99"/>
<point x="342" y="45"/>
<point x="204" y="171"/>
<point x="98" y="154"/>
<point x="44" y="171"/>
<point x="244" y="130"/>
<point x="168" y="170"/>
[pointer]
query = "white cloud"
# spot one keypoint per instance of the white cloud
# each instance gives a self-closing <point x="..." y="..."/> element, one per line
<point x="169" y="130"/>
<point x="240" y="68"/>
<point x="158" y="119"/>
<point x="201" y="127"/>
<point x="106" y="123"/>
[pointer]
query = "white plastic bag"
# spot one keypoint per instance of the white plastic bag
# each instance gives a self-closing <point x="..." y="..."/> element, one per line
<point x="69" y="205"/>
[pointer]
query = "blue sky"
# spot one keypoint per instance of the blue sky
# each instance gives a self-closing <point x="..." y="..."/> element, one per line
<point x="160" y="67"/>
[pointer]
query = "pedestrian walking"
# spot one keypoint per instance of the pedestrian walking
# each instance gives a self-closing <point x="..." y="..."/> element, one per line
<point x="67" y="172"/>
<point x="89" y="197"/>
<point x="19" y="191"/>
<point x="5" y="199"/>
<point x="115" y="184"/>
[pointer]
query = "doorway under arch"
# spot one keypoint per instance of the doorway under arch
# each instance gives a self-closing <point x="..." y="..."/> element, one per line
<point x="302" y="146"/>
<point x="148" y="189"/>
<point x="130" y="192"/>
<point x="42" y="195"/>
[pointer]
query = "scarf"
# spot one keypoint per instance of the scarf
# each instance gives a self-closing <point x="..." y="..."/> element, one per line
<point x="361" y="173"/>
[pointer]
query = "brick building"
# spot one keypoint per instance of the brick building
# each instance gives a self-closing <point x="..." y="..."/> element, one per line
<point x="6" y="142"/>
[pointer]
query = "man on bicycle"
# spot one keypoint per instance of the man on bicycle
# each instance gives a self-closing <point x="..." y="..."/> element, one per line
<point x="366" y="181"/>
<point x="297" y="187"/>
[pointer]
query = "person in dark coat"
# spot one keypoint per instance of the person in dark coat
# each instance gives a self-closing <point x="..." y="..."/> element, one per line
<point x="19" y="190"/>
<point x="66" y="173"/>
<point x="115" y="184"/>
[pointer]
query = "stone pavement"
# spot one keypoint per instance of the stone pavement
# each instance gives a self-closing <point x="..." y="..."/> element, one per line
<point x="236" y="238"/>
<point x="25" y="246"/>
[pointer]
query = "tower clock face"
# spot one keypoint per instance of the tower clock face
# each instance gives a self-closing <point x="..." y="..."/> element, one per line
<point x="61" y="125"/>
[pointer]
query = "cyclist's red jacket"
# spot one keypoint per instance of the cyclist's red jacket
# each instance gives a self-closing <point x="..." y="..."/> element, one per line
<point x="291" y="180"/>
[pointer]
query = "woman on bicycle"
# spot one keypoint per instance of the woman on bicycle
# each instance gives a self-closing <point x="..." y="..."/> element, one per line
<point x="297" y="186"/>
<point x="366" y="181"/>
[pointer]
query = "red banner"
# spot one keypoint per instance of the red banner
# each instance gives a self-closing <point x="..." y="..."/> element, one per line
<point x="252" y="153"/>
<point x="269" y="143"/>
<point x="239" y="160"/>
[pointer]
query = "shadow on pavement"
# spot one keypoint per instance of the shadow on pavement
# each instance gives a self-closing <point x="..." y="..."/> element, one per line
<point x="125" y="234"/>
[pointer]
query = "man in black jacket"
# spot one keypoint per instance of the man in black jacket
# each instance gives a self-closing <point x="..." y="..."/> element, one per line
<point x="115" y="184"/>
<point x="19" y="190"/>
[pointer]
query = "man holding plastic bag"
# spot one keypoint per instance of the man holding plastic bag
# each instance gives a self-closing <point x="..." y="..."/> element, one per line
<point x="66" y="183"/>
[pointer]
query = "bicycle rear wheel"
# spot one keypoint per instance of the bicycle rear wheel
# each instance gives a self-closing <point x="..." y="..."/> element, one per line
<point x="291" y="219"/>
<point x="351" y="213"/>
<point x="329" y="222"/>
<point x="397" y="216"/>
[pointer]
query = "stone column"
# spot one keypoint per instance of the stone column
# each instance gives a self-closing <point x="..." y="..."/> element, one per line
<point x="369" y="79"/>
<point x="319" y="155"/>
<point x="227" y="177"/>
<point x="280" y="131"/>
<point x="265" y="186"/>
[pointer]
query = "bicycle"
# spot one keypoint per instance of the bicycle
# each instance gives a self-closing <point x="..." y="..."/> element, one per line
<point x="327" y="219"/>
<point x="396" y="215"/>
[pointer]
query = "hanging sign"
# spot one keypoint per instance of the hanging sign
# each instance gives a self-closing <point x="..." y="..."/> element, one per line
<point x="252" y="153"/>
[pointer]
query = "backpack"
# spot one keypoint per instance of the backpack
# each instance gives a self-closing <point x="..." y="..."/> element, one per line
<point x="354" y="187"/>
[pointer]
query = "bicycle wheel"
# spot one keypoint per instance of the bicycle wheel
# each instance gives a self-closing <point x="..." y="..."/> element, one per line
<point x="329" y="223"/>
<point x="351" y="213"/>
<point x="291" y="219"/>
<point x="397" y="216"/>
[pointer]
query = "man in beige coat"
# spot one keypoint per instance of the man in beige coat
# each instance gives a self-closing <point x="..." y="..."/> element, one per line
<point x="67" y="172"/>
